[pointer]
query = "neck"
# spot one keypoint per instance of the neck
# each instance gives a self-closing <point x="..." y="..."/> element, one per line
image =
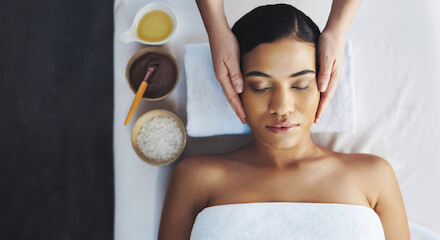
<point x="298" y="154"/>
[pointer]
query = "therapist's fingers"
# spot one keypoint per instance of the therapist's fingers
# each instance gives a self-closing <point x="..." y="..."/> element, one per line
<point x="235" y="76"/>
<point x="236" y="79"/>
<point x="236" y="104"/>
<point x="328" y="94"/>
<point x="226" y="60"/>
<point x="234" y="100"/>
<point x="325" y="71"/>
<point x="331" y="58"/>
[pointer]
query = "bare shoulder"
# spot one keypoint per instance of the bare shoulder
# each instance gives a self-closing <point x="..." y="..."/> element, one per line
<point x="364" y="161"/>
<point x="364" y="168"/>
<point x="189" y="190"/>
<point x="382" y="186"/>
<point x="366" y="165"/>
<point x="205" y="173"/>
<point x="369" y="169"/>
<point x="201" y="170"/>
<point x="372" y="166"/>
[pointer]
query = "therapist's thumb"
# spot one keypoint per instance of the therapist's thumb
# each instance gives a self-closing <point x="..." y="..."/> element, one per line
<point x="235" y="75"/>
<point x="325" y="70"/>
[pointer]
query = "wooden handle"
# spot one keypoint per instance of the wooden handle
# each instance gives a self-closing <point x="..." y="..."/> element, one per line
<point x="140" y="92"/>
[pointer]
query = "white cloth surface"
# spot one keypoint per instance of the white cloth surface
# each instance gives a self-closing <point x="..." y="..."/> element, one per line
<point x="209" y="112"/>
<point x="287" y="220"/>
<point x="397" y="106"/>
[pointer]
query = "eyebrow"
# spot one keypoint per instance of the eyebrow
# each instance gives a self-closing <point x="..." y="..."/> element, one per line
<point x="260" y="74"/>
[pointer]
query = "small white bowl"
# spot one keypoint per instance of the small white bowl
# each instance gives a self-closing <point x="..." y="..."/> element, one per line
<point x="131" y="34"/>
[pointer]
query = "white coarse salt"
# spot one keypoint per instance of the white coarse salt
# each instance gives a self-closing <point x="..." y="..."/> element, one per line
<point x="160" y="138"/>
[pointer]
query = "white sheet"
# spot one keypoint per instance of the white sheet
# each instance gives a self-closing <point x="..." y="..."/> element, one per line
<point x="397" y="75"/>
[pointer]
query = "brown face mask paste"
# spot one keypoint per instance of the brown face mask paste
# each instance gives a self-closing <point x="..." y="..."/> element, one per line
<point x="163" y="79"/>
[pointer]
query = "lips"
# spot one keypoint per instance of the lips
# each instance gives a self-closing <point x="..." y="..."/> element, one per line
<point x="282" y="124"/>
<point x="282" y="127"/>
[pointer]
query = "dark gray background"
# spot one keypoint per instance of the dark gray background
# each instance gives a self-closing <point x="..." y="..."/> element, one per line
<point x="56" y="102"/>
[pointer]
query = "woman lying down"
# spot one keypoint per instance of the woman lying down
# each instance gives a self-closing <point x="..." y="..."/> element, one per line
<point x="282" y="185"/>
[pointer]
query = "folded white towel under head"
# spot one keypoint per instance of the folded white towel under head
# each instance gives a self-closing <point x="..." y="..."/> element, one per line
<point x="209" y="112"/>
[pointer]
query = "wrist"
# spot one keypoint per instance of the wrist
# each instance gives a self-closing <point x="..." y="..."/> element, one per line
<point x="218" y="28"/>
<point x="335" y="29"/>
<point x="214" y="19"/>
<point x="218" y="32"/>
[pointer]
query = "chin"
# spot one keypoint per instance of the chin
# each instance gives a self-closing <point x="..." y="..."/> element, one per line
<point x="284" y="143"/>
<point x="279" y="141"/>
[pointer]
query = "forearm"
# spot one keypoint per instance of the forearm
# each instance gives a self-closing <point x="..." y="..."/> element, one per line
<point x="341" y="16"/>
<point x="213" y="15"/>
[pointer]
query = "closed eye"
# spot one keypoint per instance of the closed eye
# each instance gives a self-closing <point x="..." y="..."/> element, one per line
<point x="259" y="90"/>
<point x="303" y="89"/>
<point x="265" y="89"/>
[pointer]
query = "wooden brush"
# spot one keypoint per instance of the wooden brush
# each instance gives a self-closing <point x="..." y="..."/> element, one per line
<point x="152" y="65"/>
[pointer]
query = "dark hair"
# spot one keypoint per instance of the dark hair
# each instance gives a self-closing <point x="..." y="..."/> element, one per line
<point x="266" y="24"/>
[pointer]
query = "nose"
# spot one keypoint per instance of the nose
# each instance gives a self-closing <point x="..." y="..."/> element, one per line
<point x="282" y="101"/>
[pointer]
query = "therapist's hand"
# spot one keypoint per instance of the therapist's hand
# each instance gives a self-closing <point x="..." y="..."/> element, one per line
<point x="226" y="60"/>
<point x="331" y="60"/>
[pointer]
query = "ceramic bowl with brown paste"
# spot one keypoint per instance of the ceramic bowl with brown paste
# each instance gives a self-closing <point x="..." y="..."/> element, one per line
<point x="164" y="79"/>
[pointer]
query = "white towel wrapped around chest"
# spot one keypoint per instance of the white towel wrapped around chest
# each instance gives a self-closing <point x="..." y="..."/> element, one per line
<point x="209" y="112"/>
<point x="287" y="220"/>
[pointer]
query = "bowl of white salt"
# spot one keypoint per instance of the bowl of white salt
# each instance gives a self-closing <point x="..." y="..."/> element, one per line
<point x="158" y="137"/>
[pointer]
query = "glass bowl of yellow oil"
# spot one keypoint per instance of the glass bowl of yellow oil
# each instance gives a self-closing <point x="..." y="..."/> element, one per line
<point x="154" y="24"/>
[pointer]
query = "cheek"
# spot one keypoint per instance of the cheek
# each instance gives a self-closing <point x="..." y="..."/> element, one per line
<point x="246" y="99"/>
<point x="253" y="104"/>
<point x="312" y="101"/>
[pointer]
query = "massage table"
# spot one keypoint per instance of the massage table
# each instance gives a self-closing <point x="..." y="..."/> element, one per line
<point x="396" y="59"/>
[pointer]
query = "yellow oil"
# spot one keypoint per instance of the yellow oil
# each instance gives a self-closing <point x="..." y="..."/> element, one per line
<point x="155" y="26"/>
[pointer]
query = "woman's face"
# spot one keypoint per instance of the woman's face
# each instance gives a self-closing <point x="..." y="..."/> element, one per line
<point x="280" y="85"/>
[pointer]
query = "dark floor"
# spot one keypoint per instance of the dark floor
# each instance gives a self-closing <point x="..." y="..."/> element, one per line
<point x="56" y="101"/>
